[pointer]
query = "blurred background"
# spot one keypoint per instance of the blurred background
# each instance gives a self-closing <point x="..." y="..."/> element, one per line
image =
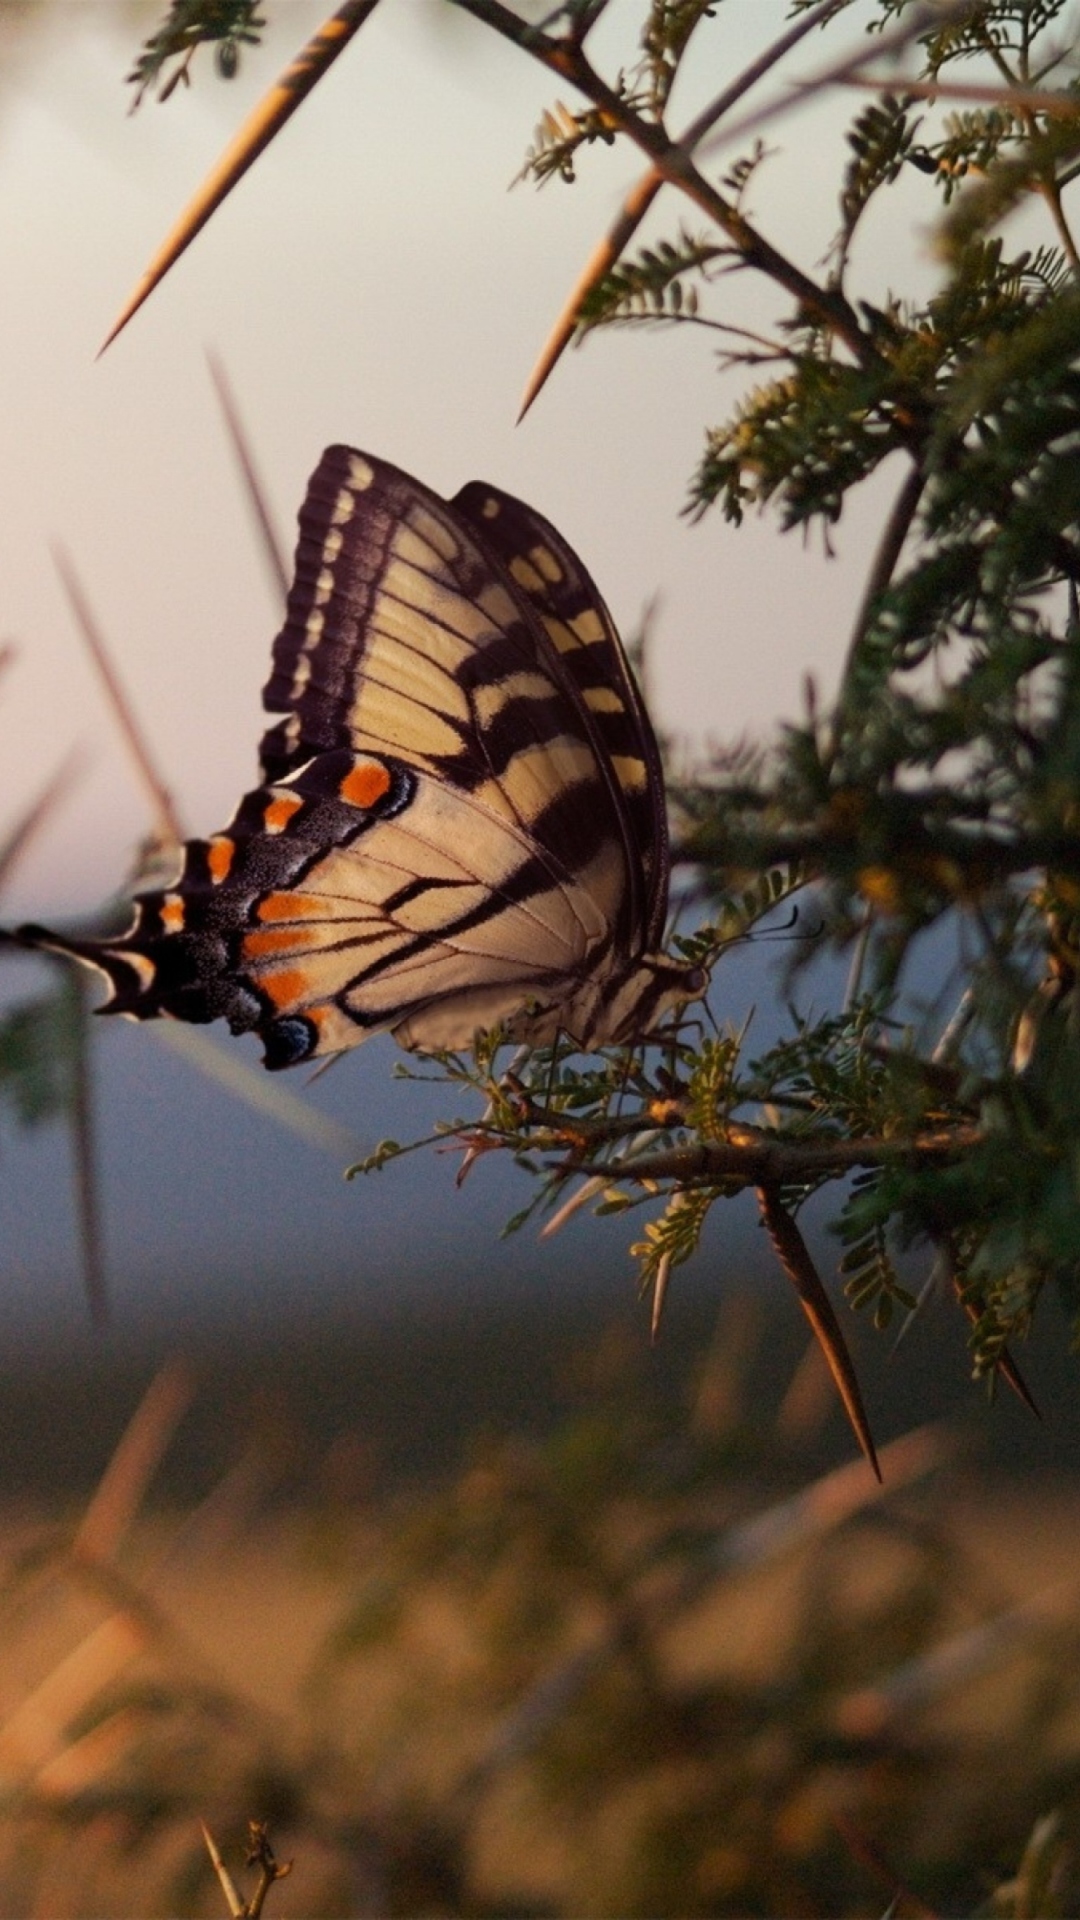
<point x="414" y="1547"/>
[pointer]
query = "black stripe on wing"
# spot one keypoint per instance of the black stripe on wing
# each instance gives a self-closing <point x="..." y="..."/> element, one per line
<point x="183" y="953"/>
<point x="403" y="634"/>
<point x="548" y="572"/>
<point x="406" y="635"/>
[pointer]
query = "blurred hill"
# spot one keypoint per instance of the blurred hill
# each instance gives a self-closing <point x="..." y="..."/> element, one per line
<point x="415" y="1375"/>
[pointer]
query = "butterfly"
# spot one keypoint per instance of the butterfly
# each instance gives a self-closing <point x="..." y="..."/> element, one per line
<point x="460" y="822"/>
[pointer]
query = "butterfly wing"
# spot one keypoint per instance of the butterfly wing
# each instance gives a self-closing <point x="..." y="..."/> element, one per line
<point x="438" y="842"/>
<point x="591" y="654"/>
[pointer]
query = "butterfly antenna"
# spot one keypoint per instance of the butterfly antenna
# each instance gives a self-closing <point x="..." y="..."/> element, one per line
<point x="323" y="1068"/>
<point x="265" y="120"/>
<point x="240" y="441"/>
<point x="166" y="818"/>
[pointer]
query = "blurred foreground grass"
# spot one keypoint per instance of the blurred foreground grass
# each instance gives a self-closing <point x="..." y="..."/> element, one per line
<point x="621" y="1643"/>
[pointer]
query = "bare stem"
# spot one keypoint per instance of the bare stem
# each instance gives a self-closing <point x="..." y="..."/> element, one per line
<point x="886" y="559"/>
<point x="761" y="1160"/>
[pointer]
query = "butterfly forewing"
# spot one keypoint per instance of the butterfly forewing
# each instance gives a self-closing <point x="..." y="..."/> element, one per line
<point x="593" y="661"/>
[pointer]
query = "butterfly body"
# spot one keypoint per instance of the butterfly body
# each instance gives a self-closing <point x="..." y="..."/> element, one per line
<point x="461" y="818"/>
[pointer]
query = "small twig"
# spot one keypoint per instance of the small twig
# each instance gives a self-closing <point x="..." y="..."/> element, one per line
<point x="135" y="1459"/>
<point x="167" y="819"/>
<point x="671" y="159"/>
<point x="886" y="559"/>
<point x="1057" y="105"/>
<point x="259" y="1854"/>
<point x="256" y="492"/>
<point x="36" y="813"/>
<point x="920" y="21"/>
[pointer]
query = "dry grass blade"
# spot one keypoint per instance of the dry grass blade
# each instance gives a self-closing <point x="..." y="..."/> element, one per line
<point x="33" y="1736"/>
<point x="87" y="1198"/>
<point x="275" y="556"/>
<point x="35" y="816"/>
<point x="82" y="1765"/>
<point x="741" y="1549"/>
<point x="257" y="1090"/>
<point x="793" y="1254"/>
<point x="816" y="1510"/>
<point x="121" y="1488"/>
<point x="868" y="1713"/>
<point x="808" y="1398"/>
<point x="166" y="818"/>
<point x="265" y="120"/>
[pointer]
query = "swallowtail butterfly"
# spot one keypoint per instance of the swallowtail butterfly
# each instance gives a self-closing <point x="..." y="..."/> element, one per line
<point x="460" y="821"/>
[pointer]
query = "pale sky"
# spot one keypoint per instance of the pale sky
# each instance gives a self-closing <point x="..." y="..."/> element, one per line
<point x="372" y="280"/>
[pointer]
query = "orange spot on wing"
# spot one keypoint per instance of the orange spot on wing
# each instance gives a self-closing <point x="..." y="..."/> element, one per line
<point x="366" y="783"/>
<point x="280" y="811"/>
<point x="172" y="913"/>
<point x="219" y="857"/>
<point x="286" y="988"/>
<point x="257" y="946"/>
<point x="290" y="906"/>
